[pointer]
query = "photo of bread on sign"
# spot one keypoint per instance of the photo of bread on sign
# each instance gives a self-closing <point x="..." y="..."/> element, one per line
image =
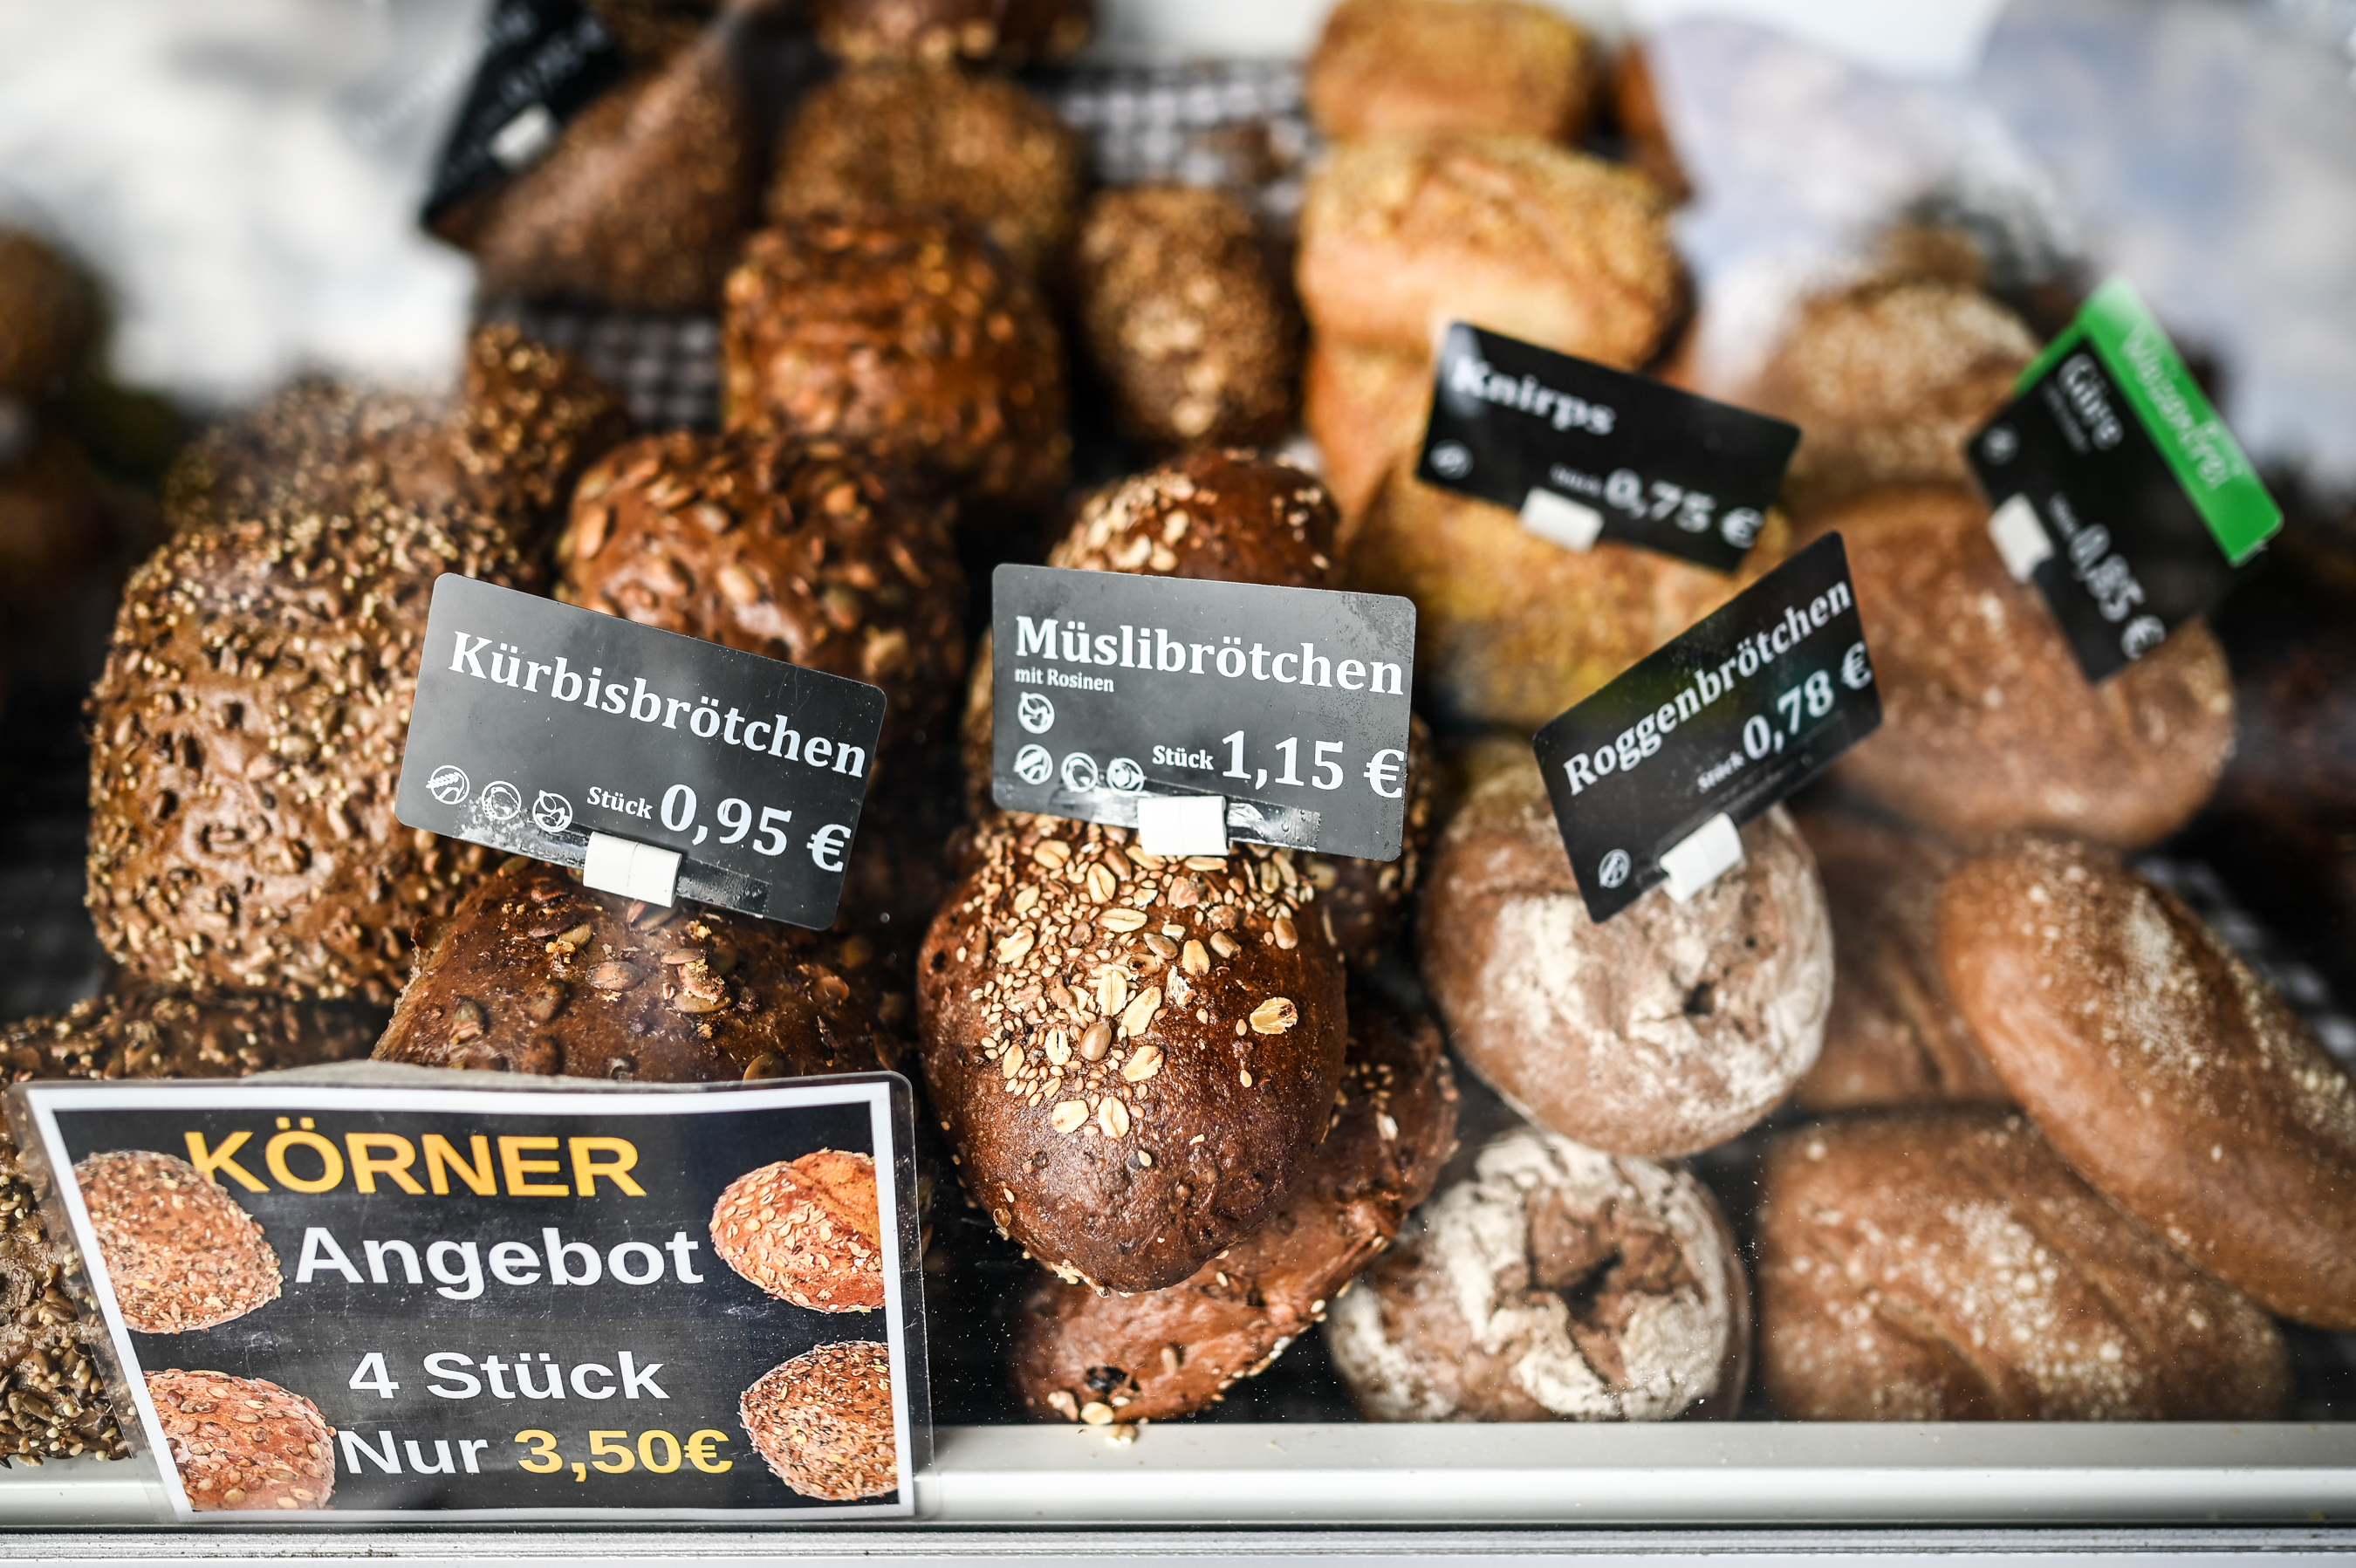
<point x="809" y="1230"/>
<point x="178" y="1250"/>
<point x="823" y="1420"/>
<point x="244" y="1443"/>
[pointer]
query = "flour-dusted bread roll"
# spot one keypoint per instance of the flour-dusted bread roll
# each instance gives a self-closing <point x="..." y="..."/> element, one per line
<point x="1556" y="1282"/>
<point x="1944" y="1264"/>
<point x="2172" y="1077"/>
<point x="1665" y="1029"/>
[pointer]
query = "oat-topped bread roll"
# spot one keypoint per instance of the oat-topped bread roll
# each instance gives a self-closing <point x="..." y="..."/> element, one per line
<point x="1554" y="1282"/>
<point x="909" y="333"/>
<point x="2169" y="1074"/>
<point x="1895" y="1036"/>
<point x="1512" y="628"/>
<point x="48" y="316"/>
<point x="1080" y="1356"/>
<point x="642" y="200"/>
<point x="1184" y="320"/>
<point x="1385" y="66"/>
<point x="1886" y="379"/>
<point x="1944" y="1264"/>
<point x="1987" y="724"/>
<point x="916" y="138"/>
<point x="1665" y="1029"/>
<point x="797" y="550"/>
<point x="535" y="973"/>
<point x="1008" y="32"/>
<point x="1133" y="1056"/>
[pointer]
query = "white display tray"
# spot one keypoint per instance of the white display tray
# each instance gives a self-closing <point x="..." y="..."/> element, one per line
<point x="1371" y="1476"/>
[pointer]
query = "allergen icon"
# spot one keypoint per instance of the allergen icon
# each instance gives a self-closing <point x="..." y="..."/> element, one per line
<point x="553" y="811"/>
<point x="501" y="800"/>
<point x="449" y="784"/>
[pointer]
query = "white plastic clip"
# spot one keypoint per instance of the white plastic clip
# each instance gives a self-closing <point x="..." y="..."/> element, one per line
<point x="1704" y="856"/>
<point x="1182" y="824"/>
<point x="1562" y="521"/>
<point x="632" y="869"/>
<point x="2020" y="538"/>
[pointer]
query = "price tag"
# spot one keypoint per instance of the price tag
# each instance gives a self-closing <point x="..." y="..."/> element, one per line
<point x="543" y="62"/>
<point x="1585" y="453"/>
<point x="1111" y="690"/>
<point x="1743" y="708"/>
<point x="354" y="1303"/>
<point x="2117" y="489"/>
<point x="655" y="762"/>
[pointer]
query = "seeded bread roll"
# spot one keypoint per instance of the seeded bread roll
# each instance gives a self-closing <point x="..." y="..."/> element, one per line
<point x="1009" y="32"/>
<point x="1988" y="726"/>
<point x="179" y="1251"/>
<point x="1512" y="628"/>
<point x="1133" y="1056"/>
<point x="823" y="1422"/>
<point x="1895" y="1036"/>
<point x="1365" y="903"/>
<point x="1184" y="319"/>
<point x="800" y="552"/>
<point x="907" y="332"/>
<point x="641" y="203"/>
<point x="917" y="138"/>
<point x="2173" y="1079"/>
<point x="1665" y="1029"/>
<point x="1887" y="379"/>
<point x="808" y="1230"/>
<point x="132" y="1033"/>
<point x="1944" y="1264"/>
<point x="1401" y="235"/>
<point x="1507" y="66"/>
<point x="1554" y="1283"/>
<point x="1079" y="1356"/>
<point x="244" y="1443"/>
<point x="1368" y="409"/>
<point x="62" y="1410"/>
<point x="48" y="316"/>
<point x="535" y="973"/>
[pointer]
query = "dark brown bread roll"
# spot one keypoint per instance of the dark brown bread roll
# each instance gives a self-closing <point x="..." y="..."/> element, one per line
<point x="1665" y="1029"/>
<point x="61" y="528"/>
<point x="808" y="1230"/>
<point x="48" y="316"/>
<point x="1512" y="628"/>
<point x="1508" y="66"/>
<point x="823" y="1420"/>
<point x="799" y="552"/>
<point x="61" y="1411"/>
<point x="1212" y="516"/>
<point x="909" y="333"/>
<point x="179" y="1251"/>
<point x="1010" y="32"/>
<point x="1988" y="726"/>
<point x="1132" y="1056"/>
<point x="2169" y="1074"/>
<point x="1366" y="904"/>
<point x="1080" y="1356"/>
<point x="1895" y="1036"/>
<point x="1184" y="319"/>
<point x="919" y="138"/>
<point x="1943" y="1264"/>
<point x="1553" y="1284"/>
<point x="535" y="973"/>
<point x="244" y="1443"/>
<point x="132" y="1033"/>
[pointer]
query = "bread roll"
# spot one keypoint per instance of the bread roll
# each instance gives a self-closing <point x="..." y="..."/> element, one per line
<point x="1987" y="724"/>
<point x="1385" y="66"/>
<point x="1368" y="409"/>
<point x="1665" y="1029"/>
<point x="48" y="316"/>
<point x="1944" y="1264"/>
<point x="2169" y="1075"/>
<point x="1008" y="32"/>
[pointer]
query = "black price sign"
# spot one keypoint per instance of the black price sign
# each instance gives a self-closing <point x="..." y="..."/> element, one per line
<point x="353" y="1304"/>
<point x="543" y="62"/>
<point x="538" y="725"/>
<point x="2117" y="489"/>
<point x="1289" y="703"/>
<point x="1583" y="452"/>
<point x="1747" y="705"/>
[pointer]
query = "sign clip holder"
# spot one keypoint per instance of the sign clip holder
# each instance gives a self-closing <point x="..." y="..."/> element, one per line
<point x="1175" y="825"/>
<point x="631" y="869"/>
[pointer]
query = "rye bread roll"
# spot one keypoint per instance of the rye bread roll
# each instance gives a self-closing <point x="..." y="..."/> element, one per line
<point x="916" y="138"/>
<point x="1554" y="1282"/>
<point x="1005" y="32"/>
<point x="1382" y="66"/>
<point x="1987" y="724"/>
<point x="803" y="552"/>
<point x="1895" y="1036"/>
<point x="2173" y="1079"/>
<point x="1665" y="1029"/>
<point x="1184" y="319"/>
<point x="1133" y="1056"/>
<point x="535" y="973"/>
<point x="908" y="333"/>
<point x="1944" y="1264"/>
<point x="1079" y="1356"/>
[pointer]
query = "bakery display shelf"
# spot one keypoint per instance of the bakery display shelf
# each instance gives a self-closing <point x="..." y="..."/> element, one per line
<point x="1748" y="1474"/>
